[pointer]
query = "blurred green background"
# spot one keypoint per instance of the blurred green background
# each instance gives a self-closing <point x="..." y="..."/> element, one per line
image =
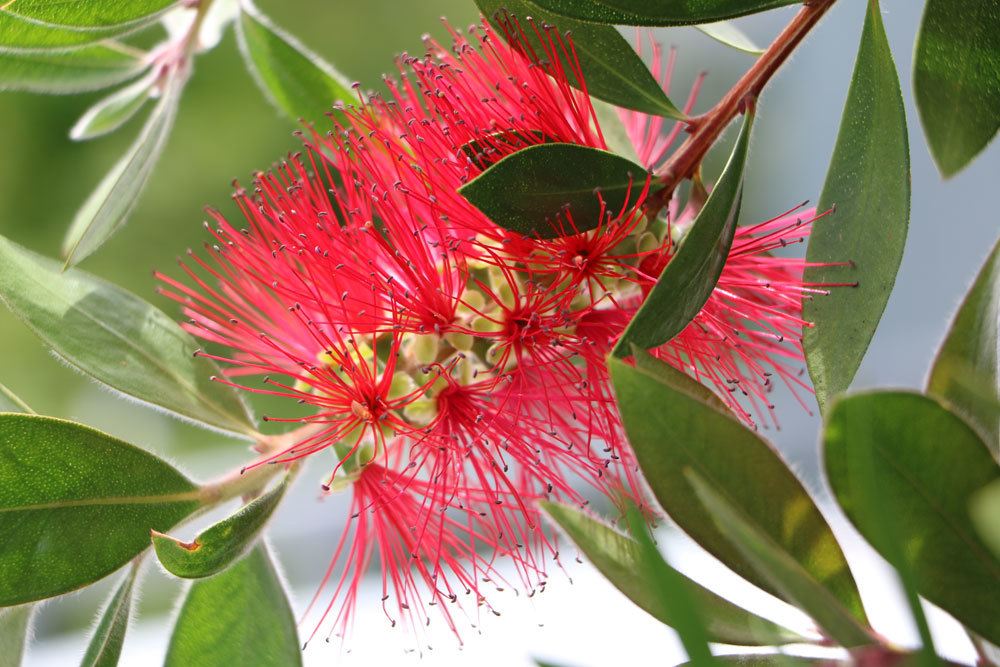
<point x="227" y="130"/>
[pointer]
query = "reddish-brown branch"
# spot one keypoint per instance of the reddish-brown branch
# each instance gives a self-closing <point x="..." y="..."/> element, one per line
<point x="706" y="128"/>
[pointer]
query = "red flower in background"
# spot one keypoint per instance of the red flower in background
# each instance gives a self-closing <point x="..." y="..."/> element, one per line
<point x="458" y="369"/>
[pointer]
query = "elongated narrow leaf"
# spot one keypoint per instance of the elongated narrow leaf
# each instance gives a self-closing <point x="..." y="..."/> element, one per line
<point x="783" y="570"/>
<point x="897" y="658"/>
<point x="928" y="463"/>
<point x="956" y="79"/>
<point x="295" y="79"/>
<point x="87" y="13"/>
<point x="659" y="12"/>
<point x="110" y="113"/>
<point x="109" y="205"/>
<point x="19" y="35"/>
<point x="534" y="193"/>
<point x="613" y="130"/>
<point x="77" y="504"/>
<point x="687" y="282"/>
<point x="117" y="338"/>
<point x="964" y="374"/>
<point x="216" y="548"/>
<point x="10" y="402"/>
<point x="671" y="429"/>
<point x="89" y="68"/>
<point x="728" y="34"/>
<point x="106" y="645"/>
<point x="14" y="624"/>
<point x="612" y="69"/>
<point x="238" y="617"/>
<point x="869" y="184"/>
<point x="617" y="557"/>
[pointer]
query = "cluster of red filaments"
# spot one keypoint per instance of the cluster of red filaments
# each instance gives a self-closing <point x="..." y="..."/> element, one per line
<point x="456" y="369"/>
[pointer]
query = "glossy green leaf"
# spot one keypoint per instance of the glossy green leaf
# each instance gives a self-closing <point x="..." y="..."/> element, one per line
<point x="531" y="191"/>
<point x="87" y="13"/>
<point x="109" y="205"/>
<point x="956" y="79"/>
<point x="964" y="374"/>
<point x="928" y="464"/>
<point x="77" y="504"/>
<point x="247" y="606"/>
<point x="18" y="35"/>
<point x="217" y="547"/>
<point x="670" y="430"/>
<point x="106" y="645"/>
<point x="117" y="338"/>
<point x="296" y="80"/>
<point x="89" y="68"/>
<point x="14" y="624"/>
<point x="659" y="12"/>
<point x="110" y="113"/>
<point x="11" y="402"/>
<point x="687" y="282"/>
<point x="779" y="567"/>
<point x="726" y="33"/>
<point x="618" y="557"/>
<point x="611" y="67"/>
<point x="483" y="152"/>
<point x="869" y="184"/>
<point x="985" y="511"/>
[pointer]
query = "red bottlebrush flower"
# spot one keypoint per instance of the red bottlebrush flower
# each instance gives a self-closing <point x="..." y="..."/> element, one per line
<point x="457" y="370"/>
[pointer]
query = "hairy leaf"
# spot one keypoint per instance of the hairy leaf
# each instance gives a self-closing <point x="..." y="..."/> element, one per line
<point x="14" y="624"/>
<point x="88" y="68"/>
<point x="87" y="13"/>
<point x="117" y="338"/>
<point x="113" y="111"/>
<point x="869" y="184"/>
<point x="659" y="12"/>
<point x="106" y="645"/>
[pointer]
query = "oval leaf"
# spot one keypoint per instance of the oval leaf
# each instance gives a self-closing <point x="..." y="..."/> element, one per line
<point x="113" y="111"/>
<point x="659" y="12"/>
<point x="928" y="464"/>
<point x="670" y="430"/>
<point x="87" y="13"/>
<point x="14" y="624"/>
<point x="89" y="68"/>
<point x="295" y="79"/>
<point x="964" y="374"/>
<point x="956" y="79"/>
<point x="77" y="504"/>
<point x="617" y="556"/>
<point x="248" y="607"/>
<point x="687" y="282"/>
<point x="117" y="338"/>
<point x="869" y="184"/>
<point x="780" y="568"/>
<point x="611" y="67"/>
<point x="531" y="191"/>
<point x="108" y="206"/>
<point x="106" y="645"/>
<point x="217" y="547"/>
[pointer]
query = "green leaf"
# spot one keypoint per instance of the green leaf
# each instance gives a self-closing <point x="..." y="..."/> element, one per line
<point x="928" y="464"/>
<point x="76" y="505"/>
<point x="108" y="206"/>
<point x="613" y="130"/>
<point x="11" y="402"/>
<point x="20" y="35"/>
<point x="611" y="67"/>
<point x="113" y="111"/>
<point x="956" y="79"/>
<point x="728" y="34"/>
<point x="659" y="12"/>
<point x="670" y="429"/>
<point x="618" y="558"/>
<point x="117" y="338"/>
<point x="964" y="374"/>
<point x="296" y="80"/>
<point x="687" y="282"/>
<point x="247" y="606"/>
<point x="985" y="512"/>
<point x="14" y="624"/>
<point x="106" y="645"/>
<point x="869" y="184"/>
<point x="217" y="547"/>
<point x="780" y="568"/>
<point x="531" y="191"/>
<point x="87" y="13"/>
<point x="88" y="68"/>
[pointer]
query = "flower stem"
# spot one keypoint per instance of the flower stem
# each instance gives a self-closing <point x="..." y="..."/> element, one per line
<point x="706" y="128"/>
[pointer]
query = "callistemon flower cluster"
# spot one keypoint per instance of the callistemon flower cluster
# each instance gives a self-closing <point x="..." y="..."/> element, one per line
<point x="457" y="370"/>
